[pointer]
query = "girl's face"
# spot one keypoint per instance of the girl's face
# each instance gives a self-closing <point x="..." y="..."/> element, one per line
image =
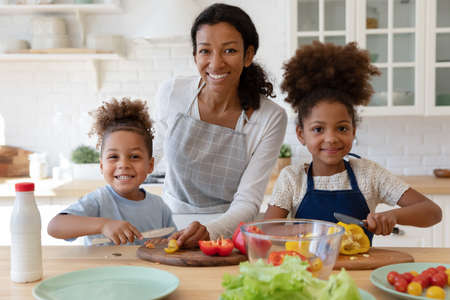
<point x="220" y="56"/>
<point x="125" y="163"/>
<point x="328" y="133"/>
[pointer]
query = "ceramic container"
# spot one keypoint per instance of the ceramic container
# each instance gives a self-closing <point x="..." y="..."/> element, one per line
<point x="50" y="41"/>
<point x="13" y="45"/>
<point x="48" y="26"/>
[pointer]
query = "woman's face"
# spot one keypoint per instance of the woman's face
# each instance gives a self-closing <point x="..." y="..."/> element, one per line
<point x="220" y="56"/>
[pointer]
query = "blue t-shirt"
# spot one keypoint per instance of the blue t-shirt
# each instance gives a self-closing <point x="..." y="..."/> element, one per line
<point x="149" y="213"/>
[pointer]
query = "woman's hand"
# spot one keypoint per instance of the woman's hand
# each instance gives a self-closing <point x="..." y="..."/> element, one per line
<point x="120" y="232"/>
<point x="381" y="223"/>
<point x="189" y="237"/>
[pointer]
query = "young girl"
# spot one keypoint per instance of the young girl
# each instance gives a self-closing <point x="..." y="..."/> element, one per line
<point x="121" y="210"/>
<point x="324" y="83"/>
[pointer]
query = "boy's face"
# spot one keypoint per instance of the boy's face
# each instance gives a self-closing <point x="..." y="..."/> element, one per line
<point x="125" y="163"/>
<point x="328" y="134"/>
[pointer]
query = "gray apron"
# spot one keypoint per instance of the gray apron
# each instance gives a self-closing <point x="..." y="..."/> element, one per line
<point x="205" y="164"/>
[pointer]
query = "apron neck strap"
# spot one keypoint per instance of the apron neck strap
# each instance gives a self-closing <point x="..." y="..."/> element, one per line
<point x="189" y="109"/>
<point x="350" y="173"/>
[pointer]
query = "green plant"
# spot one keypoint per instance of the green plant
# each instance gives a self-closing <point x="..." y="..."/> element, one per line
<point x="85" y="155"/>
<point x="285" y="151"/>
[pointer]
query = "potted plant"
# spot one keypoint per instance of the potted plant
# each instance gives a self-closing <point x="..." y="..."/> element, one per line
<point x="284" y="159"/>
<point x="86" y="163"/>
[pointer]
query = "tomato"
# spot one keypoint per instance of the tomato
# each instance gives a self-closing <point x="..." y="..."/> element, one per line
<point x="276" y="257"/>
<point x="391" y="277"/>
<point x="414" y="288"/>
<point x="439" y="279"/>
<point x="223" y="247"/>
<point x="430" y="271"/>
<point x="401" y="285"/>
<point x="448" y="276"/>
<point x="259" y="246"/>
<point x="441" y="268"/>
<point x="408" y="276"/>
<point x="414" y="273"/>
<point x="424" y="280"/>
<point x="435" y="292"/>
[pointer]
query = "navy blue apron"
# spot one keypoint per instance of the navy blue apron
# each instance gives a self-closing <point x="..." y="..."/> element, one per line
<point x="321" y="204"/>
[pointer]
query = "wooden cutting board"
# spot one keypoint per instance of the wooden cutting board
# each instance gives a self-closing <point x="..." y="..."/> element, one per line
<point x="188" y="258"/>
<point x="375" y="258"/>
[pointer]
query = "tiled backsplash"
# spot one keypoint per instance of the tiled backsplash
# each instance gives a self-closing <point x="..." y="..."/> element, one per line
<point x="45" y="108"/>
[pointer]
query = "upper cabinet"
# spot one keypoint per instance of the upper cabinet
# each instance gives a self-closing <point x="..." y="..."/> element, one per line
<point x="408" y="40"/>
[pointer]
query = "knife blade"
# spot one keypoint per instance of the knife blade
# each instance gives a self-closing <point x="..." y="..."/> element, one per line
<point x="155" y="233"/>
<point x="349" y="219"/>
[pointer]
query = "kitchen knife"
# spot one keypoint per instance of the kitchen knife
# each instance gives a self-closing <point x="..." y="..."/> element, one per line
<point x="349" y="219"/>
<point x="155" y="233"/>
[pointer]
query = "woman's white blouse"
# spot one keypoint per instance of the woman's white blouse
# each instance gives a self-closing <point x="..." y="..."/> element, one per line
<point x="377" y="185"/>
<point x="264" y="135"/>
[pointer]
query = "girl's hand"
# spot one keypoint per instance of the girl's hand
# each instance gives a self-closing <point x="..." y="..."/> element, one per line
<point x="189" y="237"/>
<point x="120" y="232"/>
<point x="381" y="223"/>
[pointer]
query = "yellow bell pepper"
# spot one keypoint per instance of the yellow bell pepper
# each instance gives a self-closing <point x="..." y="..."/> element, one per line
<point x="354" y="240"/>
<point x="172" y="247"/>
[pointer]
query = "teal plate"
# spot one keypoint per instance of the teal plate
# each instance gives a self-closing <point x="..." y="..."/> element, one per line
<point x="117" y="282"/>
<point x="378" y="278"/>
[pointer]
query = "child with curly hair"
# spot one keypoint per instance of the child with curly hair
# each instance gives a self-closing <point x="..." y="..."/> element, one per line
<point x="324" y="83"/>
<point x="120" y="210"/>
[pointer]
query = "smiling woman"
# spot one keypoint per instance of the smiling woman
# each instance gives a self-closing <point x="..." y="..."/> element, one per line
<point x="221" y="133"/>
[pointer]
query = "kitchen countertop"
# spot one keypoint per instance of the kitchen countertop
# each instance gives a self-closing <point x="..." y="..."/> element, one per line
<point x="199" y="283"/>
<point x="79" y="188"/>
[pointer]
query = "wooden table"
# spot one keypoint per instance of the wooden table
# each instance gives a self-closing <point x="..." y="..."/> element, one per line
<point x="195" y="283"/>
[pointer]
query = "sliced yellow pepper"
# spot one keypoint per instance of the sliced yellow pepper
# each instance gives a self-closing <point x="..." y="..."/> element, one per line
<point x="172" y="247"/>
<point x="354" y="240"/>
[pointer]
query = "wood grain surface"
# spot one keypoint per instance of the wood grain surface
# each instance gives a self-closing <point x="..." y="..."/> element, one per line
<point x="375" y="258"/>
<point x="185" y="258"/>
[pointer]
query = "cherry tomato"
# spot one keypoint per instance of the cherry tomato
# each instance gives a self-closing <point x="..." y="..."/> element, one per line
<point x="430" y="271"/>
<point x="414" y="273"/>
<point x="441" y="268"/>
<point x="408" y="276"/>
<point x="448" y="276"/>
<point x="435" y="292"/>
<point x="423" y="280"/>
<point x="438" y="279"/>
<point x="414" y="288"/>
<point x="391" y="277"/>
<point x="401" y="284"/>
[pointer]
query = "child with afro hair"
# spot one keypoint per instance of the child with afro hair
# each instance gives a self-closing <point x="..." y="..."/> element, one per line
<point x="324" y="84"/>
<point x="121" y="210"/>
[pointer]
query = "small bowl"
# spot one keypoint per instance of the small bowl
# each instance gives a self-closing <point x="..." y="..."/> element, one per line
<point x="443" y="173"/>
<point x="318" y="241"/>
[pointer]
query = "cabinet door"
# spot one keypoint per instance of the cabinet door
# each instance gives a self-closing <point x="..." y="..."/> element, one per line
<point x="438" y="57"/>
<point x="393" y="32"/>
<point x="324" y="20"/>
<point x="408" y="236"/>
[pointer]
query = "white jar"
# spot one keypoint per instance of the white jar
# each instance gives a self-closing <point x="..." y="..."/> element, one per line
<point x="26" y="250"/>
<point x="38" y="165"/>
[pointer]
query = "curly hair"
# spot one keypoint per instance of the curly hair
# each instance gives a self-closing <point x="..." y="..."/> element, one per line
<point x="328" y="72"/>
<point x="122" y="115"/>
<point x="253" y="80"/>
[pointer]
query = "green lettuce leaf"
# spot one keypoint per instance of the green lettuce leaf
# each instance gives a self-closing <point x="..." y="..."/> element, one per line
<point x="290" y="281"/>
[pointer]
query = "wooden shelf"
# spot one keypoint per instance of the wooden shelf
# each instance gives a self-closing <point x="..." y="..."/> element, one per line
<point x="60" y="8"/>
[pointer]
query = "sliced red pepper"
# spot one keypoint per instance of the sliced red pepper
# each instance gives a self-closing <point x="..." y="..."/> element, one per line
<point x="276" y="257"/>
<point x="223" y="247"/>
<point x="259" y="246"/>
<point x="238" y="239"/>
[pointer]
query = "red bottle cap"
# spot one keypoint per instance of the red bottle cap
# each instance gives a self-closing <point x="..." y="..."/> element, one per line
<point x="24" y="187"/>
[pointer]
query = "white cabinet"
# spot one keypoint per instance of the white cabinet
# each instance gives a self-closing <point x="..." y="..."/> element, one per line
<point x="435" y="236"/>
<point x="408" y="40"/>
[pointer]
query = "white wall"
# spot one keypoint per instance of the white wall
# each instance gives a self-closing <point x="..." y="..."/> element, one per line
<point x="45" y="104"/>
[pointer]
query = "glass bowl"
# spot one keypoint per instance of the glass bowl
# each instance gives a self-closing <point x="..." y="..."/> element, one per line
<point x="316" y="241"/>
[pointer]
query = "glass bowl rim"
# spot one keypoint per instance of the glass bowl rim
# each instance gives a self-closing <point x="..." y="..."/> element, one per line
<point x="278" y="238"/>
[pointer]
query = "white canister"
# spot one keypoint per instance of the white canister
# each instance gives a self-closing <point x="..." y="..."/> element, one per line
<point x="48" y="26"/>
<point x="13" y="45"/>
<point x="26" y="247"/>
<point x="38" y="165"/>
<point x="50" y="41"/>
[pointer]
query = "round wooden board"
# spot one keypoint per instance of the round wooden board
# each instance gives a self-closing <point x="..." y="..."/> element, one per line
<point x="191" y="258"/>
<point x="377" y="257"/>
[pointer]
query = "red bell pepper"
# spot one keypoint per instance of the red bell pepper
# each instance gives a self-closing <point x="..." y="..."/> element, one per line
<point x="276" y="257"/>
<point x="223" y="247"/>
<point x="259" y="246"/>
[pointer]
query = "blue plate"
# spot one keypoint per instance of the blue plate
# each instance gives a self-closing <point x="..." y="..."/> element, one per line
<point x="117" y="282"/>
<point x="378" y="278"/>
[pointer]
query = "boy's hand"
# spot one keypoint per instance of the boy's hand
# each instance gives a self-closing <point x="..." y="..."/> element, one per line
<point x="381" y="223"/>
<point x="120" y="232"/>
<point x="189" y="237"/>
